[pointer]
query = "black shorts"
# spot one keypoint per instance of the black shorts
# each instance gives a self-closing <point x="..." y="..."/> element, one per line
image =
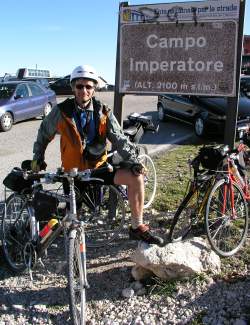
<point x="108" y="178"/>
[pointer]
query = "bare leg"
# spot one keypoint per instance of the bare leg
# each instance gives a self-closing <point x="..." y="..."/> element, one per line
<point x="135" y="186"/>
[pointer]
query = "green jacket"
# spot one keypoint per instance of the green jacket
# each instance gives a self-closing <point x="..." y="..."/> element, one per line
<point x="61" y="121"/>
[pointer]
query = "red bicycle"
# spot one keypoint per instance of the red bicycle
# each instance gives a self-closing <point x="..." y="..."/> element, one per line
<point x="227" y="209"/>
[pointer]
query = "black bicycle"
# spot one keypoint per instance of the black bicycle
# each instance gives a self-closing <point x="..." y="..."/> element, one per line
<point x="23" y="242"/>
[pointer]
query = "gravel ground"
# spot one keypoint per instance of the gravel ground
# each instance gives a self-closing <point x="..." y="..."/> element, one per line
<point x="221" y="300"/>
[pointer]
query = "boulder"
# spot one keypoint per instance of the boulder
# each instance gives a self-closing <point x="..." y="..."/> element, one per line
<point x="175" y="260"/>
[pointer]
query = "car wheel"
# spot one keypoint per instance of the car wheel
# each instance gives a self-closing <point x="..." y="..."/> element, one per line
<point x="199" y="127"/>
<point x="6" y="122"/>
<point x="161" y="114"/>
<point x="47" y="109"/>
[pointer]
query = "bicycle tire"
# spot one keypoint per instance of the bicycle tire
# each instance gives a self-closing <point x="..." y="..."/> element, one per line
<point x="220" y="228"/>
<point x="150" y="180"/>
<point x="103" y="212"/>
<point x="15" y="232"/>
<point x="76" y="279"/>
<point x="182" y="221"/>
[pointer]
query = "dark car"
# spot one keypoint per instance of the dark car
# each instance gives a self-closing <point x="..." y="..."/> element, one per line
<point x="22" y="100"/>
<point x="62" y="86"/>
<point x="245" y="85"/>
<point x="207" y="114"/>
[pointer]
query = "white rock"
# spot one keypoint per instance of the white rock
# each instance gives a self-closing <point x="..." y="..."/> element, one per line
<point x="175" y="260"/>
<point x="18" y="307"/>
<point x="128" y="292"/>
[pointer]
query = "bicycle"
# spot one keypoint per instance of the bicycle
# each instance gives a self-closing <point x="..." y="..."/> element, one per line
<point x="213" y="195"/>
<point x="103" y="228"/>
<point x="22" y="244"/>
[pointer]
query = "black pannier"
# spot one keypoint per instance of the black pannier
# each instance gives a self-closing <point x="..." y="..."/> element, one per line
<point x="15" y="182"/>
<point x="211" y="157"/>
<point x="45" y="206"/>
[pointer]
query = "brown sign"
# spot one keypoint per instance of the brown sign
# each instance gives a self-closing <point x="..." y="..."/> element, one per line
<point x="184" y="58"/>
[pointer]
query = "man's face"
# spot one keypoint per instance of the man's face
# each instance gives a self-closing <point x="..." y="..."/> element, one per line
<point x="83" y="90"/>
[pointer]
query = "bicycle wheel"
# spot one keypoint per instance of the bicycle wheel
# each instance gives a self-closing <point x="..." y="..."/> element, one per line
<point x="15" y="232"/>
<point x="150" y="180"/>
<point x="226" y="230"/>
<point x="77" y="278"/>
<point x="103" y="212"/>
<point x="182" y="220"/>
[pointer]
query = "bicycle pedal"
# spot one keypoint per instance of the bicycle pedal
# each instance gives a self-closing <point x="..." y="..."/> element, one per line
<point x="41" y="262"/>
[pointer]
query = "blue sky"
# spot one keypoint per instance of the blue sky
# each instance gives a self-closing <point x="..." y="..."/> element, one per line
<point x="59" y="35"/>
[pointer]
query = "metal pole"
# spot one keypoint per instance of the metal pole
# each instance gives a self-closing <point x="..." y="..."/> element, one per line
<point x="233" y="102"/>
<point x="118" y="97"/>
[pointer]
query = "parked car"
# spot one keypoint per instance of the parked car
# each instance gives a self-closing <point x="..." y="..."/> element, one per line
<point x="245" y="85"/>
<point x="62" y="86"/>
<point x="22" y="100"/>
<point x="207" y="114"/>
<point x="41" y="81"/>
<point x="111" y="87"/>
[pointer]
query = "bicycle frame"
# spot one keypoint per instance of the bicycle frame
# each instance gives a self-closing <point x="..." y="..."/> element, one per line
<point x="233" y="174"/>
<point x="194" y="188"/>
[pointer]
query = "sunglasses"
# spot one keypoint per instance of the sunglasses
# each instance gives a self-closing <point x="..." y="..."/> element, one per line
<point x="87" y="87"/>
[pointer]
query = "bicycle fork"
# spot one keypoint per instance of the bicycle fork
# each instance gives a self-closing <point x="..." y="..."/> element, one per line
<point x="82" y="254"/>
<point x="228" y="188"/>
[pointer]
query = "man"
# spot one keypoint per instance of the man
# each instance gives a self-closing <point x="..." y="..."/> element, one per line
<point x="85" y="124"/>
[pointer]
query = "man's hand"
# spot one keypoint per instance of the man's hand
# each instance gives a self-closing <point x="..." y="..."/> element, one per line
<point x="37" y="165"/>
<point x="138" y="169"/>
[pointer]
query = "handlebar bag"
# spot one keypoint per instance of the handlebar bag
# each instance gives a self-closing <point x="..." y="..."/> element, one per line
<point x="15" y="182"/>
<point x="45" y="206"/>
<point x="211" y="157"/>
<point x="95" y="151"/>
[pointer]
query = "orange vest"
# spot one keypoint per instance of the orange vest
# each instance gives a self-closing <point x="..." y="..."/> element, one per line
<point x="72" y="151"/>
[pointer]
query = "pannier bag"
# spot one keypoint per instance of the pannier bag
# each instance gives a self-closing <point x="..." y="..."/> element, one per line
<point x="15" y="182"/>
<point x="45" y="206"/>
<point x="211" y="157"/>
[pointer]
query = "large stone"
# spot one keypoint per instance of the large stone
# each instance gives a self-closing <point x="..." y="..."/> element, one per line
<point x="175" y="260"/>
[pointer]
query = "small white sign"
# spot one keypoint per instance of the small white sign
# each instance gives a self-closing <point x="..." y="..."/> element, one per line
<point x="181" y="11"/>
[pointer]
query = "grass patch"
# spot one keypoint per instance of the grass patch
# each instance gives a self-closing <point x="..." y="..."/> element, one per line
<point x="169" y="288"/>
<point x="173" y="176"/>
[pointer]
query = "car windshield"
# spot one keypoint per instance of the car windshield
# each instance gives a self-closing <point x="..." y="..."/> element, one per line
<point x="6" y="91"/>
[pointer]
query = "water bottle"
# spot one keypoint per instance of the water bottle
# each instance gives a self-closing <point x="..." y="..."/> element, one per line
<point x="47" y="230"/>
<point x="33" y="227"/>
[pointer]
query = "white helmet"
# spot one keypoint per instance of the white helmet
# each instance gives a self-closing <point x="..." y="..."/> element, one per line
<point x="84" y="71"/>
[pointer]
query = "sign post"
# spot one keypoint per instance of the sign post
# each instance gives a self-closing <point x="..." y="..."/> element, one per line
<point x="118" y="98"/>
<point x="190" y="48"/>
<point x="233" y="103"/>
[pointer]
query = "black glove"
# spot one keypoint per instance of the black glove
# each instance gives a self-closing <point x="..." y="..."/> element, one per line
<point x="136" y="168"/>
<point x="37" y="165"/>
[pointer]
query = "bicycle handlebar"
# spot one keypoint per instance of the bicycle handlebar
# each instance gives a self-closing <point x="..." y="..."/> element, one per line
<point x="59" y="175"/>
